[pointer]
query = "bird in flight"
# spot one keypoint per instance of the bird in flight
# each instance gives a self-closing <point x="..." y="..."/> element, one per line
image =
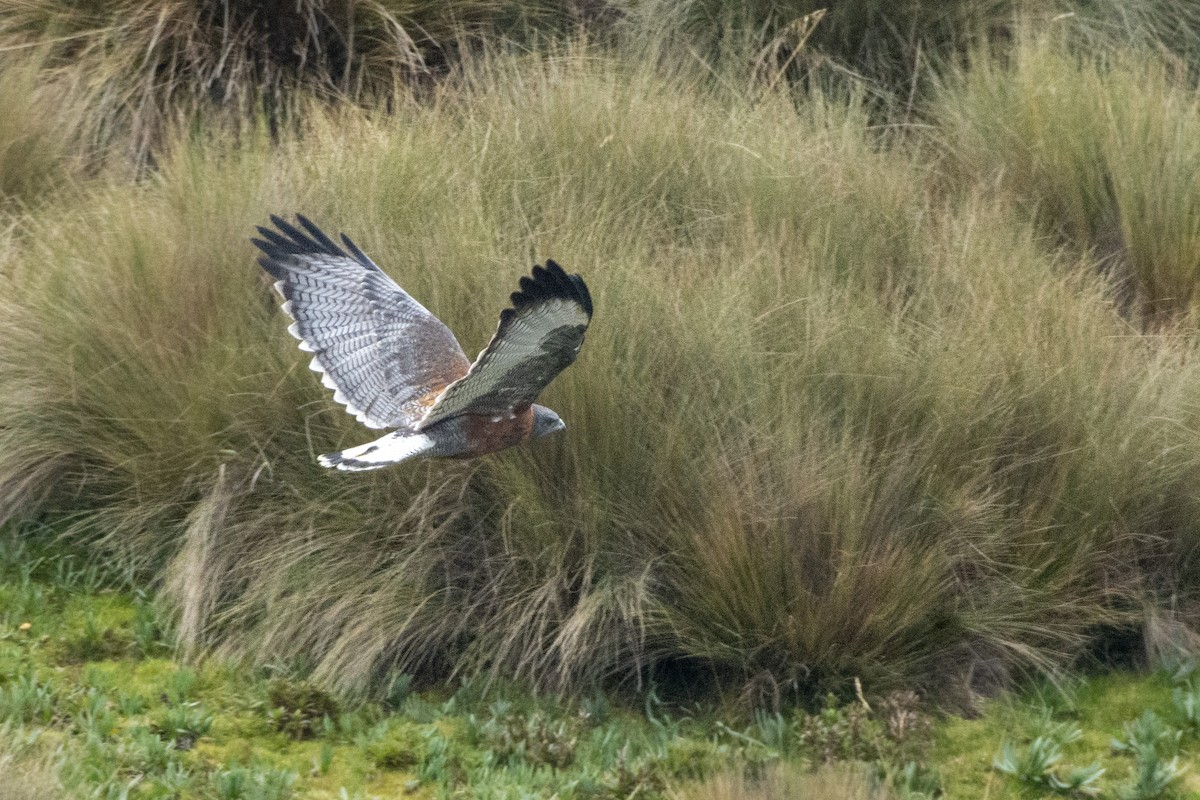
<point x="395" y="365"/>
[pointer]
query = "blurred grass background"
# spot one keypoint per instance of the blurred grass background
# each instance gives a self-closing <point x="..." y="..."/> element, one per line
<point x="893" y="374"/>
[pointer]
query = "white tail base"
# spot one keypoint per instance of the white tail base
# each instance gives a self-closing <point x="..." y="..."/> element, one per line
<point x="391" y="449"/>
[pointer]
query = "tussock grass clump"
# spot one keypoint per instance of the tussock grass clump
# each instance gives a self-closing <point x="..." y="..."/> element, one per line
<point x="1104" y="152"/>
<point x="881" y="39"/>
<point x="828" y="422"/>
<point x="149" y="67"/>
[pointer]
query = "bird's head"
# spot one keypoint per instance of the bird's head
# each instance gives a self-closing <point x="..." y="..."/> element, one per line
<point x="546" y="421"/>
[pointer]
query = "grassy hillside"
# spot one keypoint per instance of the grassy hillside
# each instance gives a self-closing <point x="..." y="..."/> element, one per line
<point x="887" y="381"/>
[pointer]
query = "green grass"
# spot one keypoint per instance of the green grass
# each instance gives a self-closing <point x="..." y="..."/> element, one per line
<point x="106" y="725"/>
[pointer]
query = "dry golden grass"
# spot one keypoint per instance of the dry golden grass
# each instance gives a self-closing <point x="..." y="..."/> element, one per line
<point x="24" y="775"/>
<point x="788" y="782"/>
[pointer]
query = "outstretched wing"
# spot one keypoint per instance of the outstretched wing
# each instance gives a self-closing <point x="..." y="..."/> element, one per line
<point x="537" y="339"/>
<point x="384" y="355"/>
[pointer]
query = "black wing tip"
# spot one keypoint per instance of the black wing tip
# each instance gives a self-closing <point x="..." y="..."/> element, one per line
<point x="289" y="240"/>
<point x="271" y="265"/>
<point x="552" y="282"/>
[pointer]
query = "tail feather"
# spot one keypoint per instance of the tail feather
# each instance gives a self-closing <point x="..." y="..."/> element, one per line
<point x="391" y="449"/>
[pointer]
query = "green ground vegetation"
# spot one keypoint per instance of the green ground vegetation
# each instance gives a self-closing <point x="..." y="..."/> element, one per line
<point x="95" y="703"/>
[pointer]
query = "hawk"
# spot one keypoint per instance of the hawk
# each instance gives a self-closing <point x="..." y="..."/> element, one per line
<point x="393" y="364"/>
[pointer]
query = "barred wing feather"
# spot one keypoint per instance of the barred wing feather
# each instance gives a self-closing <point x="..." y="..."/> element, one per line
<point x="384" y="355"/>
<point x="537" y="339"/>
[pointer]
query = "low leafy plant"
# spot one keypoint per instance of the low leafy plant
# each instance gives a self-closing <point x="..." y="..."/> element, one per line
<point x="299" y="708"/>
<point x="181" y="684"/>
<point x="96" y="717"/>
<point x="32" y="776"/>
<point x="912" y="781"/>
<point x="633" y="775"/>
<point x="1151" y="741"/>
<point x="253" y="783"/>
<point x="1080" y="781"/>
<point x="895" y="730"/>
<point x="323" y="760"/>
<point x="1186" y="697"/>
<point x="437" y="760"/>
<point x="594" y="710"/>
<point x="173" y="780"/>
<point x="907" y="726"/>
<point x="148" y="752"/>
<point x="27" y="699"/>
<point x="396" y="747"/>
<point x="685" y="758"/>
<point x="95" y="642"/>
<point x="535" y="738"/>
<point x="1153" y="778"/>
<point x="420" y="710"/>
<point x="96" y="677"/>
<point x="183" y="724"/>
<point x="23" y="601"/>
<point x="841" y="732"/>
<point x="1035" y="765"/>
<point x="148" y="633"/>
<point x="1148" y="734"/>
<point x="399" y="687"/>
<point x="74" y="574"/>
<point x="358" y="726"/>
<point x="776" y="732"/>
<point x="750" y="743"/>
<point x="130" y="704"/>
